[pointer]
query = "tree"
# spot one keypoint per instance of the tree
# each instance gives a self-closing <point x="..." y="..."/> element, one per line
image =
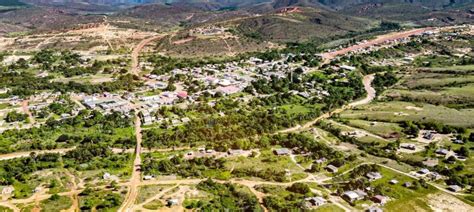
<point x="300" y="188"/>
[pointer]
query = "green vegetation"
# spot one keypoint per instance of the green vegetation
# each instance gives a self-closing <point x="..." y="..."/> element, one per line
<point x="14" y="116"/>
<point x="225" y="197"/>
<point x="154" y="205"/>
<point x="55" y="203"/>
<point x="113" y="129"/>
<point x="100" y="200"/>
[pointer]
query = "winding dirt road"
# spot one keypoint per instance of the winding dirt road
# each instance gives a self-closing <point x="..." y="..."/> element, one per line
<point x="136" y="53"/>
<point x="367" y="81"/>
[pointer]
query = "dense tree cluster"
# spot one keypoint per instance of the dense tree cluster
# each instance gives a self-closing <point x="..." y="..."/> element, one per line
<point x="225" y="197"/>
<point x="63" y="133"/>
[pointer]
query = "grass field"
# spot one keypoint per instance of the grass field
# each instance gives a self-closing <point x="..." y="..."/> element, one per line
<point x="267" y="160"/>
<point x="382" y="129"/>
<point x="51" y="204"/>
<point x="146" y="192"/>
<point x="397" y="111"/>
<point x="153" y="205"/>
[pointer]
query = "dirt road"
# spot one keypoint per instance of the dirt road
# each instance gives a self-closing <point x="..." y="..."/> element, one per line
<point x="136" y="53"/>
<point x="27" y="154"/>
<point x="379" y="40"/>
<point x="26" y="110"/>
<point x="132" y="193"/>
<point x="367" y="81"/>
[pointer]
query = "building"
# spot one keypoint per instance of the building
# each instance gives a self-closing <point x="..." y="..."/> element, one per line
<point x="351" y="196"/>
<point x="331" y="168"/>
<point x="423" y="171"/>
<point x="182" y="94"/>
<point x="442" y="151"/>
<point x="428" y="135"/>
<point x="393" y="182"/>
<point x="373" y="176"/>
<point x="407" y="184"/>
<point x="147" y="177"/>
<point x="172" y="202"/>
<point x="282" y="151"/>
<point x="315" y="201"/>
<point x="408" y="146"/>
<point x="380" y="199"/>
<point x="106" y="176"/>
<point x="349" y="68"/>
<point x="454" y="188"/>
<point x="8" y="190"/>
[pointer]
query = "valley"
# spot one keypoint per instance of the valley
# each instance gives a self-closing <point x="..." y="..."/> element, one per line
<point x="236" y="105"/>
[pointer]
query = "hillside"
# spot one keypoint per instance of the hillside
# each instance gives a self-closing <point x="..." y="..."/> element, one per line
<point x="303" y="24"/>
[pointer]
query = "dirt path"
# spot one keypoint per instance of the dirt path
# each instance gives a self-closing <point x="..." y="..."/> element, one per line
<point x="10" y="206"/>
<point x="379" y="40"/>
<point x="26" y="110"/>
<point x="367" y="81"/>
<point x="39" y="152"/>
<point x="365" y="132"/>
<point x="74" y="197"/>
<point x="132" y="193"/>
<point x="136" y="53"/>
<point x="157" y="196"/>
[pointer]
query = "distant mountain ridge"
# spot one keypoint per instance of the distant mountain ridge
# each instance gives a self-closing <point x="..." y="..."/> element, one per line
<point x="337" y="4"/>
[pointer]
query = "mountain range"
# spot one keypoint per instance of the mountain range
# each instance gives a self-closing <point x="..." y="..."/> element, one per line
<point x="335" y="4"/>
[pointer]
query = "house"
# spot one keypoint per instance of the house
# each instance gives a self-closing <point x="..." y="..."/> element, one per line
<point x="315" y="201"/>
<point x="321" y="160"/>
<point x="407" y="184"/>
<point x="361" y="193"/>
<point x="106" y="176"/>
<point x="423" y="171"/>
<point x="182" y="94"/>
<point x="147" y="177"/>
<point x="351" y="196"/>
<point x="408" y="146"/>
<point x="442" y="151"/>
<point x="434" y="176"/>
<point x="172" y="202"/>
<point x="374" y="209"/>
<point x="282" y="151"/>
<point x="393" y="182"/>
<point x="380" y="199"/>
<point x="454" y="188"/>
<point x="373" y="176"/>
<point x="331" y="168"/>
<point x="428" y="135"/>
<point x="8" y="190"/>
<point x="349" y="68"/>
<point x="458" y="141"/>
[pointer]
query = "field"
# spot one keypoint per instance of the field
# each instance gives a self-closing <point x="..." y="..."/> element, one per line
<point x="146" y="192"/>
<point x="267" y="161"/>
<point x="451" y="86"/>
<point x="397" y="111"/>
<point x="56" y="203"/>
